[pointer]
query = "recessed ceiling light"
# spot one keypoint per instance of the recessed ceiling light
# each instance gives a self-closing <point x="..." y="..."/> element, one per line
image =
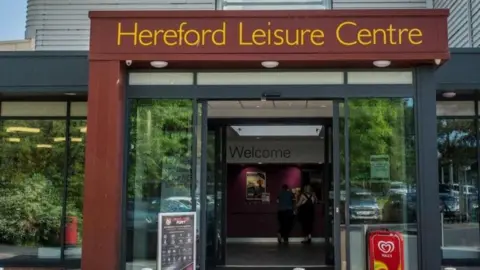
<point x="23" y="129"/>
<point x="382" y="63"/>
<point x="44" y="146"/>
<point x="159" y="64"/>
<point x="450" y="94"/>
<point x="70" y="94"/>
<point x="270" y="64"/>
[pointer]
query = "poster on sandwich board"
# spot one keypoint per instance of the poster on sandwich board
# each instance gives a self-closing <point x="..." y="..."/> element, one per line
<point x="177" y="234"/>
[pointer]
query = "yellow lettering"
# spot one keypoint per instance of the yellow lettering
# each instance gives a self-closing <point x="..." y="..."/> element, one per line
<point x="339" y="36"/>
<point x="258" y="37"/>
<point x="240" y="37"/>
<point x="385" y="36"/>
<point x="364" y="37"/>
<point x="196" y="37"/>
<point x="120" y="34"/>
<point x="316" y="37"/>
<point x="414" y="33"/>
<point x="347" y="33"/>
<point x="219" y="36"/>
<point x="170" y="37"/>
<point x="145" y="38"/>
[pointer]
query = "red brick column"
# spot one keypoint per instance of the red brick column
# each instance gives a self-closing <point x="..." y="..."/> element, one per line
<point x="104" y="166"/>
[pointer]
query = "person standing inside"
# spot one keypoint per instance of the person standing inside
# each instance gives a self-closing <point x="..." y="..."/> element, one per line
<point x="306" y="212"/>
<point x="285" y="214"/>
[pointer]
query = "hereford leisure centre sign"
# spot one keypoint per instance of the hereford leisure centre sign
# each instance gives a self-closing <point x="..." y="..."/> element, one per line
<point x="185" y="33"/>
<point x="334" y="35"/>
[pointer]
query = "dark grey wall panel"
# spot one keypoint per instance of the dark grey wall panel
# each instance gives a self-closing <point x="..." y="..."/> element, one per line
<point x="461" y="71"/>
<point x="43" y="71"/>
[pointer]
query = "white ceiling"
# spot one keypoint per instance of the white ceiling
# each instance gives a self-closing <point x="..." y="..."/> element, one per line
<point x="278" y="108"/>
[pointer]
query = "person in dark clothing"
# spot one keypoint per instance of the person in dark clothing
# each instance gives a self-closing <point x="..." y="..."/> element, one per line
<point x="306" y="212"/>
<point x="285" y="214"/>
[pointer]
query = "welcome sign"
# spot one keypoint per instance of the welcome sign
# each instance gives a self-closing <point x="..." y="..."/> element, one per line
<point x="250" y="150"/>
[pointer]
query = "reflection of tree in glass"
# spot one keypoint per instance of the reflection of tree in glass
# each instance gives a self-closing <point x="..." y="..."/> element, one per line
<point x="457" y="142"/>
<point x="32" y="181"/>
<point x="161" y="145"/>
<point x="381" y="127"/>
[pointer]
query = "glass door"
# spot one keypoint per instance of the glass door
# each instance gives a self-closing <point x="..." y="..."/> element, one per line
<point x="216" y="178"/>
<point x="374" y="178"/>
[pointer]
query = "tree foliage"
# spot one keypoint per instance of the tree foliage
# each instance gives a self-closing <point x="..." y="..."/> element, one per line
<point x="379" y="127"/>
<point x="32" y="181"/>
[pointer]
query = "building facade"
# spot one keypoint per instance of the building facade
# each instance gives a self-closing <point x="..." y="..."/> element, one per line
<point x="88" y="184"/>
<point x="65" y="26"/>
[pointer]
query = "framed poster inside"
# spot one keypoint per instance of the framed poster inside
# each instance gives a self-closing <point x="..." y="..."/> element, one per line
<point x="256" y="185"/>
<point x="177" y="234"/>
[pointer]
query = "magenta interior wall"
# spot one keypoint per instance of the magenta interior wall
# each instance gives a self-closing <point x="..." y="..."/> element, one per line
<point x="257" y="219"/>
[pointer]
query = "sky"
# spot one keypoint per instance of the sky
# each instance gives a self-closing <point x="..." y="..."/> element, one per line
<point x="12" y="19"/>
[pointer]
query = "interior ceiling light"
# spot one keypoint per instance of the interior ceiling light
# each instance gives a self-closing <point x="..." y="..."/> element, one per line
<point x="23" y="129"/>
<point x="62" y="139"/>
<point x="450" y="94"/>
<point x="159" y="64"/>
<point x="83" y="129"/>
<point x="44" y="146"/>
<point x="70" y="94"/>
<point x="382" y="63"/>
<point x="13" y="139"/>
<point x="270" y="64"/>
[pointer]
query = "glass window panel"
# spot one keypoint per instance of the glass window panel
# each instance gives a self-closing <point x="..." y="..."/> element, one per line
<point x="455" y="108"/>
<point x="76" y="176"/>
<point x="78" y="109"/>
<point x="31" y="183"/>
<point x="160" y="78"/>
<point x="159" y="173"/>
<point x="20" y="108"/>
<point x="458" y="187"/>
<point x="269" y="78"/>
<point x="380" y="77"/>
<point x="382" y="173"/>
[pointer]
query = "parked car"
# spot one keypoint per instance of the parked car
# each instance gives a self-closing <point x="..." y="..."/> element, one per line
<point x="398" y="188"/>
<point x="451" y="208"/>
<point x="363" y="208"/>
<point x="468" y="190"/>
<point x="144" y="214"/>
<point x="400" y="208"/>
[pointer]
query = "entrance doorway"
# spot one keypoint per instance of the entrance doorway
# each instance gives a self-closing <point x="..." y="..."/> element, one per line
<point x="259" y="146"/>
<point x="178" y="148"/>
